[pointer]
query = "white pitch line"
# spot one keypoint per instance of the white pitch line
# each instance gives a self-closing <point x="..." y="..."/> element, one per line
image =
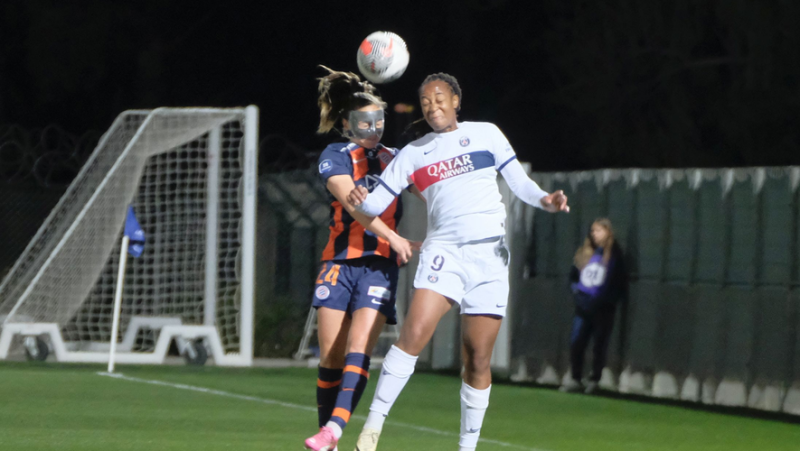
<point x="290" y="405"/>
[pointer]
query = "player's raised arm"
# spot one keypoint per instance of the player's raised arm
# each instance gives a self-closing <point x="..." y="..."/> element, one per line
<point x="340" y="186"/>
<point x="393" y="181"/>
<point x="521" y="185"/>
<point x="530" y="192"/>
<point x="371" y="204"/>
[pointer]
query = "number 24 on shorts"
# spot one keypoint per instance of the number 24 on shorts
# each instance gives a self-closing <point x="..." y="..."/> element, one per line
<point x="331" y="277"/>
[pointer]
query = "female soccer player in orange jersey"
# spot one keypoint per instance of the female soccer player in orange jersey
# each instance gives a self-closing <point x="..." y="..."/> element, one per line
<point x="355" y="289"/>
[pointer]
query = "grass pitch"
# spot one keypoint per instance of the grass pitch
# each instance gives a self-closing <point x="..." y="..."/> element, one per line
<point x="70" y="407"/>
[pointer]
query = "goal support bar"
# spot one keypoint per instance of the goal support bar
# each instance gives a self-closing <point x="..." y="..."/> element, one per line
<point x="168" y="333"/>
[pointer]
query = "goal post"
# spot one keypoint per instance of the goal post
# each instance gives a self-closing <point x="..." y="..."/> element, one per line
<point x="190" y="174"/>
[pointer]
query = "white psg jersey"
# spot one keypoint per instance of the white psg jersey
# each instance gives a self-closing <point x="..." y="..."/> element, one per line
<point x="457" y="174"/>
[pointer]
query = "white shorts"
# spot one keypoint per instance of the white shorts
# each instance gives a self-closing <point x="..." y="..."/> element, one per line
<point x="475" y="275"/>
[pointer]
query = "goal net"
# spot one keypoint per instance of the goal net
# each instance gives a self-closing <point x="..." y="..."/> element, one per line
<point x="190" y="175"/>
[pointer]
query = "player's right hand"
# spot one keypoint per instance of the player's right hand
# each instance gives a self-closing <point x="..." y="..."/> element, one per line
<point x="404" y="248"/>
<point x="357" y="195"/>
<point x="555" y="202"/>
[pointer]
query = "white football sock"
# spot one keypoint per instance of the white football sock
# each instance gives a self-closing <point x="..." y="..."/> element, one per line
<point x="337" y="430"/>
<point x="473" y="408"/>
<point x="398" y="366"/>
<point x="375" y="421"/>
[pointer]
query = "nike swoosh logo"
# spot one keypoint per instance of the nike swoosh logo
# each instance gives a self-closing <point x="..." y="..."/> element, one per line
<point x="500" y="306"/>
<point x="472" y="431"/>
<point x="359" y="161"/>
<point x="426" y="153"/>
<point x="377" y="302"/>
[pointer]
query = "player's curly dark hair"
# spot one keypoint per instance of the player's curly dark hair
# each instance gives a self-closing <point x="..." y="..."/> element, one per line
<point x="339" y="94"/>
<point x="447" y="78"/>
<point x="420" y="127"/>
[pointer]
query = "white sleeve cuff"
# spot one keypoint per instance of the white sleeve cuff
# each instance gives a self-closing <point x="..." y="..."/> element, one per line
<point x="377" y="201"/>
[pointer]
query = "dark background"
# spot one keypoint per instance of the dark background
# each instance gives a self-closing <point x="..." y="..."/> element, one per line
<point x="574" y="84"/>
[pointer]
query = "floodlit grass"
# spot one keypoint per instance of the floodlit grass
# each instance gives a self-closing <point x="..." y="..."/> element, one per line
<point x="71" y="407"/>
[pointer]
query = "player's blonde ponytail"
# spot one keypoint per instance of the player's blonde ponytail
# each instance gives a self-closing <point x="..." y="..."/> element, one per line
<point x="340" y="93"/>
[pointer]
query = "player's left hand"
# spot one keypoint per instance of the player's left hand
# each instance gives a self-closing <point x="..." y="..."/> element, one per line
<point x="357" y="195"/>
<point x="555" y="202"/>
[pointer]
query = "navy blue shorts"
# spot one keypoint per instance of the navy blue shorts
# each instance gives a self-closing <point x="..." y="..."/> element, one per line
<point x="349" y="285"/>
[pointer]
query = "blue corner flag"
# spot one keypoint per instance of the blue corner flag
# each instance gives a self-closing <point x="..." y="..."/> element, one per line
<point x="134" y="233"/>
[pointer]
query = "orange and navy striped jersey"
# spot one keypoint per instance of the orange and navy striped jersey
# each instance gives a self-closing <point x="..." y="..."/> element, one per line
<point x="348" y="238"/>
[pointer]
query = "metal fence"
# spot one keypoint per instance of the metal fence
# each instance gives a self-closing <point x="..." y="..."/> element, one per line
<point x="713" y="310"/>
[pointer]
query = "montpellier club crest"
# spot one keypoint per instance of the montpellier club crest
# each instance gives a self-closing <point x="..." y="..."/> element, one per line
<point x="464" y="141"/>
<point x="322" y="292"/>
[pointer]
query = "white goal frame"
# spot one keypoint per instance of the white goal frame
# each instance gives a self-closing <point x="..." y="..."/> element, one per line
<point x="169" y="328"/>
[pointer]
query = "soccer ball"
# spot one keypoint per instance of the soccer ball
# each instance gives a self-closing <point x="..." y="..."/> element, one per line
<point x="382" y="57"/>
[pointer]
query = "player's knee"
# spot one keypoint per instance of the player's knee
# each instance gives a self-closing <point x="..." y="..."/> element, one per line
<point x="478" y="362"/>
<point x="413" y="338"/>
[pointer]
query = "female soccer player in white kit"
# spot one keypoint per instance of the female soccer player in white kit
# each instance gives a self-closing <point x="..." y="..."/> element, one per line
<point x="464" y="259"/>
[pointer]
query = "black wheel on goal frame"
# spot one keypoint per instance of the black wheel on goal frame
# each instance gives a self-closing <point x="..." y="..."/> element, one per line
<point x="36" y="349"/>
<point x="196" y="353"/>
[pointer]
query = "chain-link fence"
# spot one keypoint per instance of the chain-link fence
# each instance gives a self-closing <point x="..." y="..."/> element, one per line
<point x="36" y="166"/>
<point x="293" y="214"/>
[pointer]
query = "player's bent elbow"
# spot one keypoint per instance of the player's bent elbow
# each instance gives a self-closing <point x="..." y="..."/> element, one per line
<point x="354" y="209"/>
<point x="370" y="210"/>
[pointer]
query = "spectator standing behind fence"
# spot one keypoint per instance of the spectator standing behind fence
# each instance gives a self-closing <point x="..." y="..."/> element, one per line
<point x="598" y="281"/>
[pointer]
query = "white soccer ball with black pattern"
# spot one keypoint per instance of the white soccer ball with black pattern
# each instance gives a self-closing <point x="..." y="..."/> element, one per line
<point x="382" y="57"/>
